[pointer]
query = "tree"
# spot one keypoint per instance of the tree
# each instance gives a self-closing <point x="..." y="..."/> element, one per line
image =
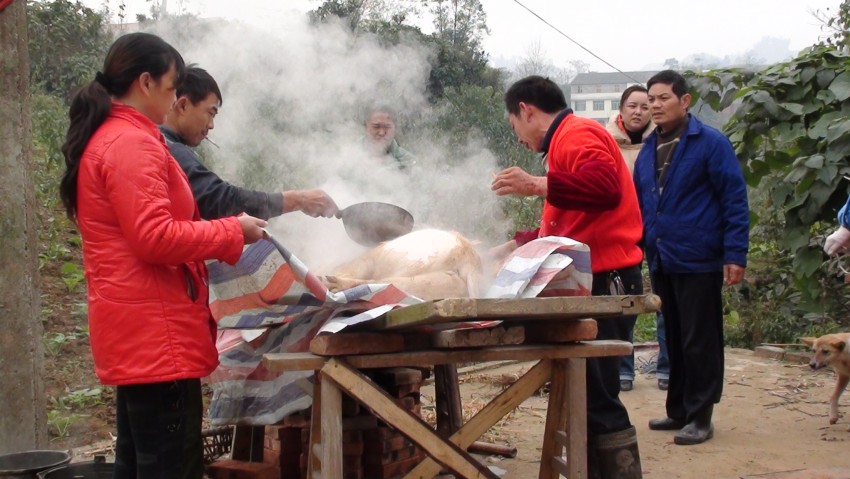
<point x="23" y="424"/>
<point x="460" y="25"/>
<point x="791" y="132"/>
<point x="69" y="41"/>
<point x="536" y="63"/>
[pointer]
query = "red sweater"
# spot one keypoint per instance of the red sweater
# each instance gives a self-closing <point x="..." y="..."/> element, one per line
<point x="591" y="197"/>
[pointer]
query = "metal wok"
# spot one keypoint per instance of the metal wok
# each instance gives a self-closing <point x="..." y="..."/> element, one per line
<point x="372" y="222"/>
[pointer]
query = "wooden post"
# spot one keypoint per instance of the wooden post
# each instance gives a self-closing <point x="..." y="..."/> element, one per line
<point x="447" y="392"/>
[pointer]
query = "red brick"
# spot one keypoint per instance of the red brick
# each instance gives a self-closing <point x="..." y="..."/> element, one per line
<point x="231" y="469"/>
<point x="386" y="445"/>
<point x="271" y="456"/>
<point x="391" y="457"/>
<point x="387" y="471"/>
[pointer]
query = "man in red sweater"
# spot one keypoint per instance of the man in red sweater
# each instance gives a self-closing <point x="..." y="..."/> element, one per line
<point x="590" y="198"/>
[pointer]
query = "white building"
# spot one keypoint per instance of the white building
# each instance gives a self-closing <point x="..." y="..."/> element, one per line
<point x="597" y="95"/>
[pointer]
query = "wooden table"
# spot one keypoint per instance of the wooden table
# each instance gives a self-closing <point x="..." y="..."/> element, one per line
<point x="339" y="360"/>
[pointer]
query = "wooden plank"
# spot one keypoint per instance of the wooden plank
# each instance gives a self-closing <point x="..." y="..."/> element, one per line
<point x="556" y="419"/>
<point x="561" y="331"/>
<point x="576" y="424"/>
<point x="528" y="309"/>
<point x="356" y="343"/>
<point x="448" y="454"/>
<point x="495" y="410"/>
<point x="331" y="429"/>
<point x="477" y="337"/>
<point x="279" y="362"/>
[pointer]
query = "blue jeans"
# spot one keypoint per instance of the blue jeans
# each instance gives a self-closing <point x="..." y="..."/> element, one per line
<point x="662" y="369"/>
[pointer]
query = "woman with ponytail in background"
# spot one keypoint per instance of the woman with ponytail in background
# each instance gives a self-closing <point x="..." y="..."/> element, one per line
<point x="144" y="248"/>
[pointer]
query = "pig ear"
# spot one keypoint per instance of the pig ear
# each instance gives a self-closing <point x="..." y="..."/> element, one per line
<point x="808" y="341"/>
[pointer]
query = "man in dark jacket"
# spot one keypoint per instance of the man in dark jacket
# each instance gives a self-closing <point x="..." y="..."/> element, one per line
<point x="188" y="123"/>
<point x="693" y="202"/>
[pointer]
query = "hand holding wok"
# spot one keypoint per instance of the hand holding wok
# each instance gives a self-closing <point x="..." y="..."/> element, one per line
<point x="313" y="203"/>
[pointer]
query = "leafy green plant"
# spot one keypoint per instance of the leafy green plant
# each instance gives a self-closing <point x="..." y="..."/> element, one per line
<point x="645" y="328"/>
<point x="83" y="398"/>
<point x="54" y="343"/>
<point x="59" y="422"/>
<point x="72" y="276"/>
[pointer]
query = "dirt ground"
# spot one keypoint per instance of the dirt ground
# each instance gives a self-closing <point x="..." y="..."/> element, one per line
<point x="772" y="418"/>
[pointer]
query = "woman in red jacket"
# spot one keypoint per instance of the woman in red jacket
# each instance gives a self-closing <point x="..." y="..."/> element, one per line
<point x="144" y="248"/>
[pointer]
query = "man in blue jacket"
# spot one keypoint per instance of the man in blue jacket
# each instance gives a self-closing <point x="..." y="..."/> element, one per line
<point x="693" y="200"/>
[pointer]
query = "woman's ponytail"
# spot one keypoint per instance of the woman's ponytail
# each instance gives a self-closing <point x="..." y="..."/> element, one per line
<point x="89" y="109"/>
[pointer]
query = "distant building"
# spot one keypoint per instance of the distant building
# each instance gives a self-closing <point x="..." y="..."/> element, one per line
<point x="597" y="95"/>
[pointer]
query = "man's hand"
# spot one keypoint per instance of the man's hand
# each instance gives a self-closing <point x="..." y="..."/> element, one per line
<point x="515" y="181"/>
<point x="252" y="228"/>
<point x="837" y="242"/>
<point x="733" y="274"/>
<point x="313" y="203"/>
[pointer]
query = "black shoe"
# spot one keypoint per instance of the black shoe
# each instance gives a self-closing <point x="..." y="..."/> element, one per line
<point x="697" y="431"/>
<point x="667" y="424"/>
<point x="626" y="385"/>
<point x="663" y="384"/>
<point x="694" y="434"/>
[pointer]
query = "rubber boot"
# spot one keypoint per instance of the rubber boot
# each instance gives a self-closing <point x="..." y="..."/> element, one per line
<point x="699" y="430"/>
<point x="614" y="456"/>
<point x="666" y="424"/>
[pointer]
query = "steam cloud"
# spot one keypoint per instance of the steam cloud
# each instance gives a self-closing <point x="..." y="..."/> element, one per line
<point x="295" y="97"/>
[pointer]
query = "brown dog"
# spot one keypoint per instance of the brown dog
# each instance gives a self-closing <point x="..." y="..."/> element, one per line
<point x="832" y="350"/>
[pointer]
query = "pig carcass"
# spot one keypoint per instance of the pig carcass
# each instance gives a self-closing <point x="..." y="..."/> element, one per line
<point x="429" y="263"/>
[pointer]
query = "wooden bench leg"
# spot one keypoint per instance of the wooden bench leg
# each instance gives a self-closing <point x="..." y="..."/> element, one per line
<point x="447" y="392"/>
<point x="566" y="422"/>
<point x="324" y="460"/>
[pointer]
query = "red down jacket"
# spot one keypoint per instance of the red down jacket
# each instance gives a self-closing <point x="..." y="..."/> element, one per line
<point x="143" y="251"/>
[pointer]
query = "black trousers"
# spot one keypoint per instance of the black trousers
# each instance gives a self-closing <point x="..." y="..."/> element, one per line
<point x="159" y="431"/>
<point x="692" y="305"/>
<point x="605" y="412"/>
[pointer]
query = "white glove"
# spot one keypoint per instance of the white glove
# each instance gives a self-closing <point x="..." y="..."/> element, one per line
<point x="837" y="241"/>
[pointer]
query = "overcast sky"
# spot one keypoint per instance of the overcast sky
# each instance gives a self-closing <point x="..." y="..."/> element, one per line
<point x="630" y="35"/>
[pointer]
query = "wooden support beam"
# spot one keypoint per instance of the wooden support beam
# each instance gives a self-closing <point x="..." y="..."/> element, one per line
<point x="478" y="337"/>
<point x="447" y="392"/>
<point x="331" y="427"/>
<point x="561" y="331"/>
<point x="576" y="424"/>
<point x="359" y="387"/>
<point x="495" y="410"/>
<point x="306" y="361"/>
<point x="528" y="309"/>
<point x="339" y="344"/>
